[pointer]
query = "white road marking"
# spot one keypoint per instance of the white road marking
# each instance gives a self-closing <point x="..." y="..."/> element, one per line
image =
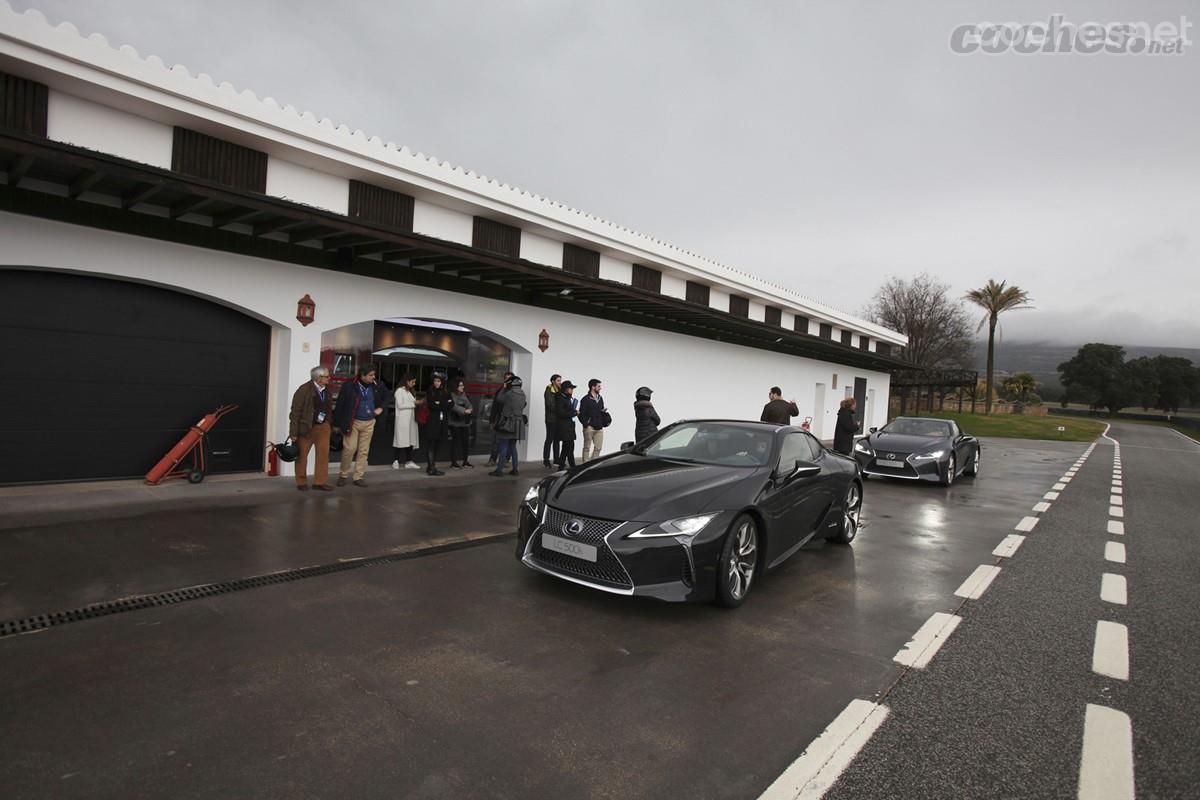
<point x="1058" y="487"/>
<point x="1041" y="508"/>
<point x="1110" y="657"/>
<point x="823" y="761"/>
<point x="1050" y="496"/>
<point x="1114" y="552"/>
<point x="1116" y="500"/>
<point x="1113" y="589"/>
<point x="1071" y="473"/>
<point x="1106" y="768"/>
<point x="1116" y="526"/>
<point x="1065" y="479"/>
<point x="924" y="644"/>
<point x="1009" y="546"/>
<point x="978" y="582"/>
<point x="1117" y="482"/>
<point x="1116" y="511"/>
<point x="1027" y="524"/>
<point x="1116" y="487"/>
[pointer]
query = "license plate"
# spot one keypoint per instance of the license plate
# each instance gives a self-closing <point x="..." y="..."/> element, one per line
<point x="569" y="547"/>
<point x="887" y="462"/>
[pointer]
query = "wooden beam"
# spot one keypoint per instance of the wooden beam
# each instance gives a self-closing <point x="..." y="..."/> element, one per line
<point x="189" y="206"/>
<point x="382" y="247"/>
<point x="86" y="180"/>
<point x="276" y="225"/>
<point x="18" y="168"/>
<point x="140" y="195"/>
<point x="234" y="215"/>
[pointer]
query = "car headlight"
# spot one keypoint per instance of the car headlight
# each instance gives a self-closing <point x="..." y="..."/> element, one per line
<point x="861" y="446"/>
<point x="532" y="497"/>
<point x="684" y="527"/>
<point x="929" y="456"/>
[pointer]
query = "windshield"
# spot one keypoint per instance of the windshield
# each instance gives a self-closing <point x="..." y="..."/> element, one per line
<point x="920" y="427"/>
<point x="713" y="443"/>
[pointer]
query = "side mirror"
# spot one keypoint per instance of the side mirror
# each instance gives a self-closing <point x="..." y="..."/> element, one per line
<point x="627" y="446"/>
<point x="796" y="469"/>
<point x="874" y="430"/>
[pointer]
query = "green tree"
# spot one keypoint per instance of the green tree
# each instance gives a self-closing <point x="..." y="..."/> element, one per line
<point x="1020" y="386"/>
<point x="996" y="298"/>
<point x="1178" y="383"/>
<point x="1141" y="382"/>
<point x="1096" y="375"/>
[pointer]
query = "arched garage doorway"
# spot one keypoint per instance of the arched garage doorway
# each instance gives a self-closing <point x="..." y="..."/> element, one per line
<point x="107" y="375"/>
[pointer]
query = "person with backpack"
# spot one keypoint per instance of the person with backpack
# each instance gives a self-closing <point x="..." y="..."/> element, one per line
<point x="510" y="425"/>
<point x="493" y="415"/>
<point x="645" y="418"/>
<point x="594" y="419"/>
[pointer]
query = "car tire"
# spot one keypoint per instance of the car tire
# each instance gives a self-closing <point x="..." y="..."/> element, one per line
<point x="738" y="564"/>
<point x="973" y="470"/>
<point x="851" y="516"/>
<point x="951" y="469"/>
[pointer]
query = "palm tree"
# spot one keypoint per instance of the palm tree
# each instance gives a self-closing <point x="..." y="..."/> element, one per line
<point x="995" y="299"/>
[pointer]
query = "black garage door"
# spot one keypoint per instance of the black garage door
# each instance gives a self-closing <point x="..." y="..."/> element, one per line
<point x="103" y="377"/>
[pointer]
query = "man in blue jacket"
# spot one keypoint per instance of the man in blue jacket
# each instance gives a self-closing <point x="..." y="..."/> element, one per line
<point x="358" y="404"/>
<point x="594" y="419"/>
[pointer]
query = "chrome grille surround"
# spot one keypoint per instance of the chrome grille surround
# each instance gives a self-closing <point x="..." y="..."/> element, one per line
<point x="608" y="573"/>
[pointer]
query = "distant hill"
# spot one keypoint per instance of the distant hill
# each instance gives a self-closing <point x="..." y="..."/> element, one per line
<point x="1042" y="358"/>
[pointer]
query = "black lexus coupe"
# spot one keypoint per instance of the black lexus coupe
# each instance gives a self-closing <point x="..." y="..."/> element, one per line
<point x="919" y="448"/>
<point x="696" y="512"/>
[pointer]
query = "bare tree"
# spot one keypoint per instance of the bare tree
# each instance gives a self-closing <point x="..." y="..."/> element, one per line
<point x="937" y="327"/>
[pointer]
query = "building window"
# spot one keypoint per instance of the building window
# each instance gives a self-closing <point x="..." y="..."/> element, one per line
<point x="219" y="161"/>
<point x="381" y="206"/>
<point x="883" y="348"/>
<point x="739" y="306"/>
<point x="647" y="278"/>
<point x="23" y="105"/>
<point x="774" y="316"/>
<point x="496" y="237"/>
<point x="864" y="343"/>
<point x="826" y="331"/>
<point x="846" y="338"/>
<point x="697" y="293"/>
<point x="801" y="324"/>
<point x="581" y="261"/>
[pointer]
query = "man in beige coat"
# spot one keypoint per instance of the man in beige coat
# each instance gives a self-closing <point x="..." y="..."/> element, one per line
<point x="310" y="425"/>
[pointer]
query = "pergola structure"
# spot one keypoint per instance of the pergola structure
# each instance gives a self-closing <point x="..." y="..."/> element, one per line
<point x="937" y="382"/>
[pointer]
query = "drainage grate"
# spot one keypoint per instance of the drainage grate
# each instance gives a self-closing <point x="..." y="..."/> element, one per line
<point x="168" y="598"/>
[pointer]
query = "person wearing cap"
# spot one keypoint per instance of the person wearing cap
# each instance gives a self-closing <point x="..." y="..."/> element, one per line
<point x="645" y="418"/>
<point x="510" y="425"/>
<point x="438" y="401"/>
<point x="778" y="410"/>
<point x="564" y="423"/>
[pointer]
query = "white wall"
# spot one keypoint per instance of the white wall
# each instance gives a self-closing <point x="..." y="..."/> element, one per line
<point x="692" y="377"/>
<point x="453" y="226"/>
<point x="758" y="311"/>
<point x="718" y="299"/>
<point x="97" y="127"/>
<point x="674" y="286"/>
<point x="303" y="185"/>
<point x="612" y="269"/>
<point x="541" y="250"/>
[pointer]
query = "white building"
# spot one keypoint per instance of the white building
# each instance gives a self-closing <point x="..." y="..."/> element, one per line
<point x="158" y="232"/>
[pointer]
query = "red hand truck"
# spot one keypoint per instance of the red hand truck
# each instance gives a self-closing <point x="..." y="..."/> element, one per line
<point x="191" y="444"/>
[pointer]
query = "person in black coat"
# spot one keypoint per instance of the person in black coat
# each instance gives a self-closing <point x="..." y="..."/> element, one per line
<point x="438" y="400"/>
<point x="564" y="423"/>
<point x="847" y="426"/>
<point x="645" y="418"/>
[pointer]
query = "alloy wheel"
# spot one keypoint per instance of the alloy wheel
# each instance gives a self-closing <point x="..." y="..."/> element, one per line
<point x="950" y="470"/>
<point x="851" y="516"/>
<point x="742" y="559"/>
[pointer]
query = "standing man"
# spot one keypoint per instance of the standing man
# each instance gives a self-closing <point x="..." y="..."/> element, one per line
<point x="549" y="397"/>
<point x="358" y="404"/>
<point x="777" y="409"/>
<point x="594" y="419"/>
<point x="309" y="427"/>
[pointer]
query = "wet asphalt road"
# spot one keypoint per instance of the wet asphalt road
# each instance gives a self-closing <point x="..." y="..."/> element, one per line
<point x="464" y="675"/>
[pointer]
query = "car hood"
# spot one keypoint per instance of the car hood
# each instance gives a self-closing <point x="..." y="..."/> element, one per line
<point x="635" y="487"/>
<point x="904" y="443"/>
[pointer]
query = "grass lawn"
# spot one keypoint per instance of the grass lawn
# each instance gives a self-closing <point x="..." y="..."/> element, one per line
<point x="1018" y="426"/>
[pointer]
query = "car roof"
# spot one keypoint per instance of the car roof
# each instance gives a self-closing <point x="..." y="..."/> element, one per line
<point x="745" y="423"/>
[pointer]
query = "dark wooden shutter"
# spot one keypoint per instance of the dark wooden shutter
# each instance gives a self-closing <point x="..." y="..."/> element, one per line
<point x="739" y="306"/>
<point x="846" y="338"/>
<point x="23" y="105"/>
<point x="581" y="261"/>
<point x="883" y="348"/>
<point x="220" y="161"/>
<point x="826" y="331"/>
<point x="801" y="324"/>
<point x="774" y="316"/>
<point x="496" y="237"/>
<point x="647" y="278"/>
<point x="864" y="343"/>
<point x="697" y="293"/>
<point x="382" y="206"/>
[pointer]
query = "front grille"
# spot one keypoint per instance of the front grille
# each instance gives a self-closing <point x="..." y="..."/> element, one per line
<point x="607" y="570"/>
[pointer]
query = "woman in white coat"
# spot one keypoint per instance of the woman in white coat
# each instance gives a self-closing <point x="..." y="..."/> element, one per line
<point x="406" y="436"/>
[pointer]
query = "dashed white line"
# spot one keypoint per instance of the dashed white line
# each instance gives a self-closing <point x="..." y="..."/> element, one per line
<point x="978" y="582"/>
<point x="1110" y="656"/>
<point x="1113" y="589"/>
<point x="1050" y="496"/>
<point x="1116" y="500"/>
<point x="1116" y="488"/>
<point x="1065" y="479"/>
<point x="823" y="761"/>
<point x="1027" y="524"/>
<point x="1116" y="482"/>
<point x="1041" y="508"/>
<point x="1008" y="547"/>
<point x="1058" y="487"/>
<point x="1106" y="768"/>
<point x="1116" y="511"/>
<point x="925" y="643"/>
<point x="1114" y="552"/>
<point x="1116" y="526"/>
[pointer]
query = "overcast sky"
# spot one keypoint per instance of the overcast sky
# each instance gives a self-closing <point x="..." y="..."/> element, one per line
<point x="824" y="146"/>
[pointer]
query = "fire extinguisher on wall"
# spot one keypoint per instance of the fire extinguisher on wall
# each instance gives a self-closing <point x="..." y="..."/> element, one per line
<point x="272" y="462"/>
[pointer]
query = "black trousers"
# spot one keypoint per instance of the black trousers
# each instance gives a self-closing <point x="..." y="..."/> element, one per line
<point x="402" y="454"/>
<point x="460" y="438"/>
<point x="567" y="453"/>
<point x="435" y="434"/>
<point x="552" y="444"/>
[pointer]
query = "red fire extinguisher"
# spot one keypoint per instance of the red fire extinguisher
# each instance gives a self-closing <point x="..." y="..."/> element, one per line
<point x="272" y="462"/>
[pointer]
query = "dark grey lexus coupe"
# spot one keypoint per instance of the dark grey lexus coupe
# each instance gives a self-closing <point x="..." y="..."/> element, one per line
<point x="919" y="448"/>
<point x="696" y="512"/>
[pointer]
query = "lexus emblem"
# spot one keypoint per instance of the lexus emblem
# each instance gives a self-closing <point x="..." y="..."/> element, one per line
<point x="574" y="527"/>
<point x="891" y="456"/>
